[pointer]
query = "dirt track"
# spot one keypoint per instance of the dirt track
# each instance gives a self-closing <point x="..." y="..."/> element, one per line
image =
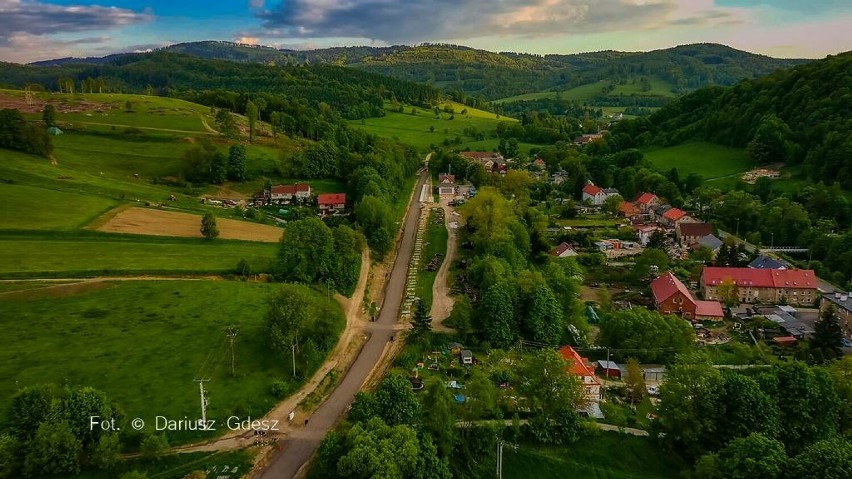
<point x="442" y="301"/>
<point x="146" y="221"/>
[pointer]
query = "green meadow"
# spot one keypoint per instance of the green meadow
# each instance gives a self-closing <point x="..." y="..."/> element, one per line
<point x="34" y="208"/>
<point x="709" y="160"/>
<point x="144" y="342"/>
<point x="584" y="93"/>
<point x="607" y="455"/>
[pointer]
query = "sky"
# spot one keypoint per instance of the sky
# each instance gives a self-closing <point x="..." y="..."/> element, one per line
<point x="32" y="30"/>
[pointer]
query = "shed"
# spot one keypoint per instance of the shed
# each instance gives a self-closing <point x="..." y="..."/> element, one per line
<point x="466" y="356"/>
<point x="653" y="372"/>
<point x="784" y="340"/>
<point x="609" y="369"/>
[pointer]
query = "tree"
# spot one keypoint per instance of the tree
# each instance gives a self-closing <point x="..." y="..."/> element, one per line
<point x="251" y="114"/>
<point x="128" y="106"/>
<point x="828" y="335"/>
<point x="657" y="240"/>
<point x="378" y="450"/>
<point x="376" y="220"/>
<point x="218" y="168"/>
<point x="237" y="163"/>
<point x="438" y="417"/>
<point x="661" y="336"/>
<point x="82" y="404"/>
<point x="496" y="315"/>
<point x="553" y="396"/>
<point x="421" y="323"/>
<point x="771" y="142"/>
<point x="635" y="381"/>
<point x="728" y="292"/>
<point x="30" y="407"/>
<point x="106" y="454"/>
<point x="243" y="268"/>
<point x="48" y="115"/>
<point x="153" y="446"/>
<point x="396" y="402"/>
<point x="134" y="475"/>
<point x="226" y="124"/>
<point x="612" y="204"/>
<point x="651" y="262"/>
<point x="752" y="457"/>
<point x="54" y="450"/>
<point x="208" y="226"/>
<point x="827" y="459"/>
<point x="702" y="254"/>
<point x="9" y="454"/>
<point x="305" y="252"/>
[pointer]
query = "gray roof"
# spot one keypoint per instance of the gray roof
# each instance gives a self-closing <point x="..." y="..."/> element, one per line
<point x="765" y="262"/>
<point x="790" y="324"/>
<point x="845" y="305"/>
<point x="711" y="241"/>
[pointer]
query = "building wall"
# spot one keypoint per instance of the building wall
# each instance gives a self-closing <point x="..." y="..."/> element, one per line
<point x="751" y="294"/>
<point x="678" y="304"/>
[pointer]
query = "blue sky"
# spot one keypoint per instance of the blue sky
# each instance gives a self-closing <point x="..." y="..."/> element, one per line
<point x="41" y="29"/>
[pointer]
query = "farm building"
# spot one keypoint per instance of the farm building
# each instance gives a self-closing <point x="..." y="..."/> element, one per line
<point x="689" y="233"/>
<point x="608" y="369"/>
<point x="564" y="250"/>
<point x="672" y="297"/>
<point x="593" y="194"/>
<point x="446" y="184"/>
<point x="675" y="216"/>
<point x="843" y="303"/>
<point x="646" y="201"/>
<point x="279" y="194"/>
<point x="765" y="262"/>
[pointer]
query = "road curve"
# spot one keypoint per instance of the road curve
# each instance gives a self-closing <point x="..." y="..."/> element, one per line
<point x="298" y="448"/>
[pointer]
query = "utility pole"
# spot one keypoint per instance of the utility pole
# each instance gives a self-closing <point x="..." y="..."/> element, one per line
<point x="232" y="335"/>
<point x="500" y="444"/>
<point x="294" y="359"/>
<point x="203" y="400"/>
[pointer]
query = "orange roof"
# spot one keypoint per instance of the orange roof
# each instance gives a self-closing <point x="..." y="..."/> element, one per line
<point x="711" y="309"/>
<point x="674" y="214"/>
<point x="645" y="198"/>
<point x="331" y="199"/>
<point x="591" y="189"/>
<point x="301" y="187"/>
<point x="667" y="285"/>
<point x="761" y="278"/>
<point x="628" y="209"/>
<point x="578" y="365"/>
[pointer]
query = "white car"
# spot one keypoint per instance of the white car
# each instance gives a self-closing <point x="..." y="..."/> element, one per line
<point x="653" y="390"/>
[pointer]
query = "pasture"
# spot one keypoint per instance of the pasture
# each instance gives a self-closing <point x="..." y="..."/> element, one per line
<point x="607" y="455"/>
<point x="709" y="160"/>
<point x="34" y="208"/>
<point x="424" y="128"/>
<point x="146" y="221"/>
<point x="144" y="342"/>
<point x="88" y="254"/>
<point x="584" y="93"/>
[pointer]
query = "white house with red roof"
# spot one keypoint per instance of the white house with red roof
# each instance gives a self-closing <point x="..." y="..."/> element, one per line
<point x="793" y="286"/>
<point x="330" y="203"/>
<point x="593" y="194"/>
<point x="446" y="184"/>
<point x="283" y="193"/>
<point x="674" y="216"/>
<point x="583" y="370"/>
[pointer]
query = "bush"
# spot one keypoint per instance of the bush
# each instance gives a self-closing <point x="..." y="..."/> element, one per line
<point x="279" y="388"/>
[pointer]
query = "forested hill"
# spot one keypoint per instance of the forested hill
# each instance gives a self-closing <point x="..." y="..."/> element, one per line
<point x="490" y="76"/>
<point x="800" y="116"/>
<point x="353" y="93"/>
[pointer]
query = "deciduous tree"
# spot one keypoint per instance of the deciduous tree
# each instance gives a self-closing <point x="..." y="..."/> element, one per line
<point x="208" y="226"/>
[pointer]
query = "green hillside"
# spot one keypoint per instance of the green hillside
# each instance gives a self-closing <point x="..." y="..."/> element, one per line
<point x="709" y="160"/>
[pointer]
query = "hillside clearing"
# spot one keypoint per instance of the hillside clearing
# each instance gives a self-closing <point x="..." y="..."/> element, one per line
<point x="146" y="221"/>
<point x="33" y="208"/>
<point x="709" y="160"/>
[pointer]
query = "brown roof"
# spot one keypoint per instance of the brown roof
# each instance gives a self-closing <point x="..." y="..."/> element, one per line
<point x="711" y="309"/>
<point x="591" y="189"/>
<point x="667" y="285"/>
<point x="645" y="198"/>
<point x="674" y="214"/>
<point x="695" y="229"/>
<point x="331" y="199"/>
<point x="283" y="190"/>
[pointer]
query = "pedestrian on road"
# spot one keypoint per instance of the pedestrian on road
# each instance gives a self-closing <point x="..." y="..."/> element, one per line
<point x="306" y="422"/>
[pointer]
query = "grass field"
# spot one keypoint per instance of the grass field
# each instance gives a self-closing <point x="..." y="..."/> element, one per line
<point x="709" y="160"/>
<point x="143" y="343"/>
<point x="584" y="93"/>
<point x="33" y="208"/>
<point x="414" y="129"/>
<point x="608" y="455"/>
<point x="434" y="241"/>
<point x="97" y="254"/>
<point x="177" y="466"/>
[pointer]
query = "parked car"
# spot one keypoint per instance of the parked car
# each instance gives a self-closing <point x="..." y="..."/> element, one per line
<point x="653" y="390"/>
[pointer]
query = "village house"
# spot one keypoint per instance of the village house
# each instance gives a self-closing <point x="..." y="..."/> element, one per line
<point x="446" y="185"/>
<point x="280" y="194"/>
<point x="540" y="164"/>
<point x="765" y="262"/>
<point x="673" y="216"/>
<point x="564" y="250"/>
<point x="629" y="210"/>
<point x="672" y="297"/>
<point x="793" y="286"/>
<point x="843" y="304"/>
<point x="689" y="233"/>
<point x="710" y="241"/>
<point x="645" y="232"/>
<point x="646" y="201"/>
<point x="331" y="203"/>
<point x="491" y="161"/>
<point x="593" y="194"/>
<point x="583" y="370"/>
<point x="586" y="139"/>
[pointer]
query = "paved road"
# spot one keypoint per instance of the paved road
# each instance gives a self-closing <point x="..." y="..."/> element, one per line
<point x="300" y="446"/>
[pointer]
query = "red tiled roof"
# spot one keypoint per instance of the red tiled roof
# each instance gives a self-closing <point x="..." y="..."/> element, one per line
<point x="761" y="278"/>
<point x="711" y="309"/>
<point x="331" y="199"/>
<point x="674" y="214"/>
<point x="303" y="187"/>
<point x="591" y="189"/>
<point x="666" y="285"/>
<point x="645" y="198"/>
<point x="628" y="209"/>
<point x="695" y="229"/>
<point x="578" y="365"/>
<point x="478" y="155"/>
<point x="283" y="190"/>
<point x="446" y="178"/>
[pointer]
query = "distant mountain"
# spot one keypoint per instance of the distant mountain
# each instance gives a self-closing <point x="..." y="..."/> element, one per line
<point x="469" y="72"/>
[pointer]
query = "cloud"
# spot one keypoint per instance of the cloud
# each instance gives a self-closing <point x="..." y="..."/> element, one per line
<point x="254" y="4"/>
<point x="395" y="21"/>
<point x="27" y="18"/>
<point x="247" y="40"/>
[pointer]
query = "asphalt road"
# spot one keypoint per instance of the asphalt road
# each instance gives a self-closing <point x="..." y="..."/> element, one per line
<point x="298" y="448"/>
